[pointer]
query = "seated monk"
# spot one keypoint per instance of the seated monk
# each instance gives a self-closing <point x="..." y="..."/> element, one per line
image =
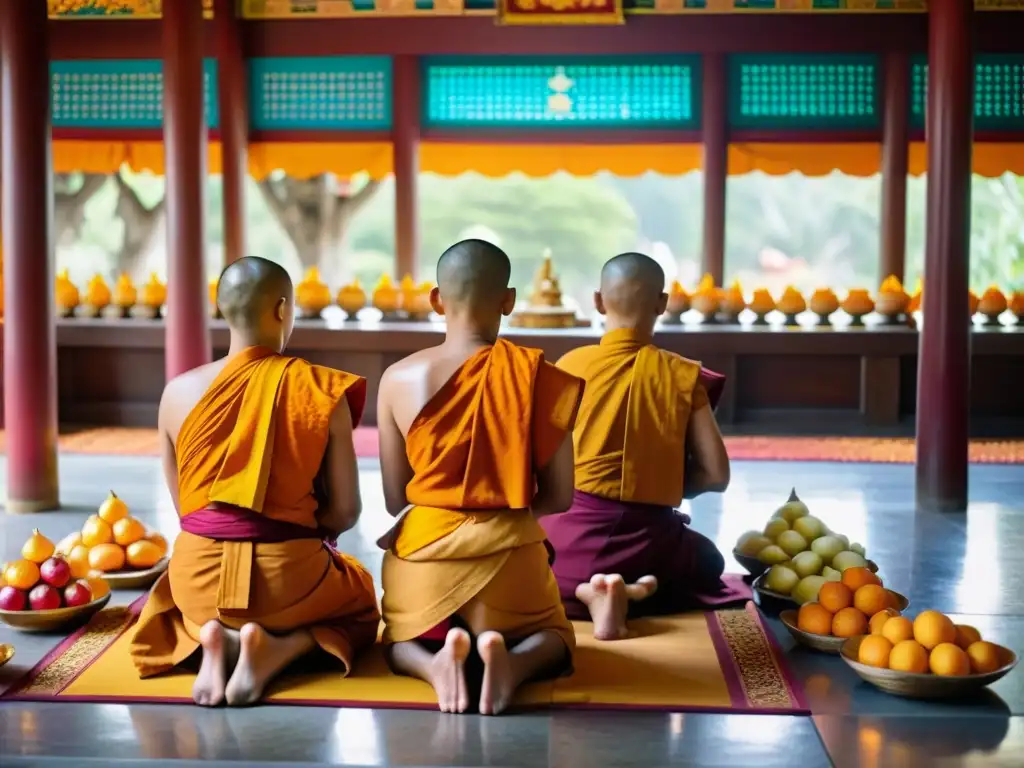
<point x="623" y="549"/>
<point x="475" y="445"/>
<point x="258" y="455"/>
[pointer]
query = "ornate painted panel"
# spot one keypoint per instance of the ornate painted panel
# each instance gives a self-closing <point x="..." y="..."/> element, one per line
<point x="998" y="92"/>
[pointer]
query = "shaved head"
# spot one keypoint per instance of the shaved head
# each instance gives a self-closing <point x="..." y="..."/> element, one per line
<point x="474" y="273"/>
<point x="249" y="291"/>
<point x="632" y="285"/>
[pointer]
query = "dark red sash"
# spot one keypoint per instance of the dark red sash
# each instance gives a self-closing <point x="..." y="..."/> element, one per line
<point x="225" y="522"/>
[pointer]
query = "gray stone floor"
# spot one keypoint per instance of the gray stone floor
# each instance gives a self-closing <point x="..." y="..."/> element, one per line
<point x="971" y="565"/>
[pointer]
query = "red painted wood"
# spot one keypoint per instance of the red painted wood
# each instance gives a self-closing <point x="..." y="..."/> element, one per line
<point x="895" y="158"/>
<point x="714" y="116"/>
<point x="944" y="361"/>
<point x="188" y="339"/>
<point x="233" y="95"/>
<point x="30" y="342"/>
<point x="406" y="131"/>
<point x="560" y="136"/>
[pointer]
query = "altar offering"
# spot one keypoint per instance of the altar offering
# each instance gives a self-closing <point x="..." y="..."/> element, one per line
<point x="678" y="303"/>
<point x="791" y="304"/>
<point x="351" y="299"/>
<point x="761" y="304"/>
<point x="973" y="302"/>
<point x="386" y="298"/>
<point x="545" y="308"/>
<point x="732" y="303"/>
<point x="857" y="304"/>
<point x="66" y="295"/>
<point x="707" y="299"/>
<point x="415" y="299"/>
<point x="125" y="296"/>
<point x="154" y="296"/>
<point x="312" y="296"/>
<point x="97" y="297"/>
<point x="1017" y="305"/>
<point x="823" y="303"/>
<point x="214" y="309"/>
<point x="916" y="298"/>
<point x="892" y="302"/>
<point x="992" y="304"/>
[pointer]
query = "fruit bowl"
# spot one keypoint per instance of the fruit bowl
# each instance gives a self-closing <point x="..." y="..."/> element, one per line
<point x="135" y="579"/>
<point x="6" y="653"/>
<point x="823" y="643"/>
<point x="752" y="565"/>
<point x="47" y="621"/>
<point x="923" y="686"/>
<point x="775" y="602"/>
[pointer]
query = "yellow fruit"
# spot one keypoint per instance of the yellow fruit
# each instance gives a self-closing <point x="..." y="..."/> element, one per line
<point x="814" y="618"/>
<point x="966" y="635"/>
<point x="158" y="540"/>
<point x="879" y="619"/>
<point x="984" y="657"/>
<point x="849" y="622"/>
<point x="98" y="586"/>
<point x="871" y="598"/>
<point x="143" y="554"/>
<point x="113" y="509"/>
<point x="949" y="660"/>
<point x="909" y="656"/>
<point x="96" y="531"/>
<point x="874" y="651"/>
<point x="38" y="549"/>
<point x="106" y="558"/>
<point x="78" y="559"/>
<point x="932" y="628"/>
<point x="897" y="629"/>
<point x="775" y="527"/>
<point x="835" y="596"/>
<point x="128" y="530"/>
<point x="858" y="576"/>
<point x="22" y="574"/>
<point x="3" y="577"/>
<point x="69" y="542"/>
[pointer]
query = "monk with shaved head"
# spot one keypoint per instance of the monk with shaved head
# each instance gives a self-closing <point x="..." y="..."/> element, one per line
<point x="646" y="437"/>
<point x="475" y="446"/>
<point x="258" y="456"/>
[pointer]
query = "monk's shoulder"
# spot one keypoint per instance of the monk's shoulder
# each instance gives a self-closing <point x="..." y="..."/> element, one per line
<point x="577" y="360"/>
<point x="412" y="366"/>
<point x="182" y="393"/>
<point x="321" y="378"/>
<point x="685" y="371"/>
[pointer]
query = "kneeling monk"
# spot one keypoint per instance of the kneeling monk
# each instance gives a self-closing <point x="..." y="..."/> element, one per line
<point x="258" y="455"/>
<point x="623" y="548"/>
<point x="475" y="443"/>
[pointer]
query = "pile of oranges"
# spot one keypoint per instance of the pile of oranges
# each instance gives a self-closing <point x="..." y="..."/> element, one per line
<point x="112" y="540"/>
<point x="849" y="607"/>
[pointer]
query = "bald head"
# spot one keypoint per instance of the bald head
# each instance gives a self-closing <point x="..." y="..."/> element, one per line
<point x="475" y="274"/>
<point x="632" y="285"/>
<point x="249" y="290"/>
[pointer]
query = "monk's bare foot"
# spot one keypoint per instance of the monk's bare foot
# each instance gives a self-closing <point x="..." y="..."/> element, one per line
<point x="208" y="690"/>
<point x="262" y="656"/>
<point x="447" y="672"/>
<point x="605" y="598"/>
<point x="499" y="682"/>
<point x="645" y="587"/>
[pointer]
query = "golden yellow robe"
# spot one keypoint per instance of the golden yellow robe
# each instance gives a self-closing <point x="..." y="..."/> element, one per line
<point x="469" y="545"/>
<point x="256" y="440"/>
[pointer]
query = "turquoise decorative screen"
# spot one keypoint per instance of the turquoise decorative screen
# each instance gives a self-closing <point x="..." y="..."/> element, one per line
<point x="998" y="91"/>
<point x="564" y="92"/>
<point x="803" y="91"/>
<point x="118" y="93"/>
<point x="350" y="93"/>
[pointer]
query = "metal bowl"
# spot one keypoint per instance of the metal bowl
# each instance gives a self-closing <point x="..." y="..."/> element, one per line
<point x="823" y="643"/>
<point x="58" y="618"/>
<point x="775" y="602"/>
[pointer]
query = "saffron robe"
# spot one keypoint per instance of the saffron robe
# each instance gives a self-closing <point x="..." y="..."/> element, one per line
<point x="630" y="443"/>
<point x="255" y="443"/>
<point x="468" y="545"/>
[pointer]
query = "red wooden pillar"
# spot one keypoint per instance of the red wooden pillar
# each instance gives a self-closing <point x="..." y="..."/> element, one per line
<point x="188" y="339"/>
<point x="30" y="339"/>
<point x="405" y="116"/>
<point x="945" y="350"/>
<point x="895" y="154"/>
<point x="716" y="163"/>
<point x="233" y="92"/>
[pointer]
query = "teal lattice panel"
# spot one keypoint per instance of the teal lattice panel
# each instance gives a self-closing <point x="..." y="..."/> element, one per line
<point x="118" y="93"/>
<point x="803" y="91"/>
<point x="346" y="93"/>
<point x="998" y="92"/>
<point x="566" y="92"/>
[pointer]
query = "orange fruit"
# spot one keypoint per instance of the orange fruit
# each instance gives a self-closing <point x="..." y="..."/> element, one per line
<point x="3" y="575"/>
<point x="106" y="558"/>
<point x="37" y="549"/>
<point x="897" y="629"/>
<point x="113" y="509"/>
<point x="835" y="596"/>
<point x="857" y="577"/>
<point x="909" y="656"/>
<point x="932" y="628"/>
<point x="96" y="531"/>
<point x="814" y="618"/>
<point x="22" y="574"/>
<point x="984" y="657"/>
<point x="128" y="530"/>
<point x="871" y="598"/>
<point x="966" y="635"/>
<point x="78" y="559"/>
<point x="879" y="619"/>
<point x="143" y="554"/>
<point x="98" y="586"/>
<point x="157" y="539"/>
<point x="69" y="542"/>
<point x="874" y="651"/>
<point x="849" y="622"/>
<point x="949" y="660"/>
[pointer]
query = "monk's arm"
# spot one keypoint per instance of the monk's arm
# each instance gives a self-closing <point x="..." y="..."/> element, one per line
<point x="556" y="482"/>
<point x="395" y="470"/>
<point x="342" y="474"/>
<point x="707" y="469"/>
<point x="167" y="457"/>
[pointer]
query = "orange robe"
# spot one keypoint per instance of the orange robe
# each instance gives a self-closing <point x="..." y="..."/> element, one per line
<point x="469" y="546"/>
<point x="256" y="441"/>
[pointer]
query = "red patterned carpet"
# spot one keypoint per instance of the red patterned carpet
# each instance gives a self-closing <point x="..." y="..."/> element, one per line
<point x="143" y="442"/>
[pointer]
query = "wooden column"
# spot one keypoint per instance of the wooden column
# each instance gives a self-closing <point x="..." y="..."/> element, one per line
<point x="714" y="109"/>
<point x="895" y="153"/>
<point x="188" y="339"/>
<point x="945" y="347"/>
<point x="405" y="115"/>
<point x="233" y="93"/>
<point x="30" y="337"/>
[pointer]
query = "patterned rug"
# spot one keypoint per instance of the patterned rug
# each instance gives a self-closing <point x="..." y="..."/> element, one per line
<point x="144" y="442"/>
<point x="721" y="661"/>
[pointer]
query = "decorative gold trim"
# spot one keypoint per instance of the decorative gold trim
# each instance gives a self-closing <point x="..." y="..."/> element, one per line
<point x="763" y="682"/>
